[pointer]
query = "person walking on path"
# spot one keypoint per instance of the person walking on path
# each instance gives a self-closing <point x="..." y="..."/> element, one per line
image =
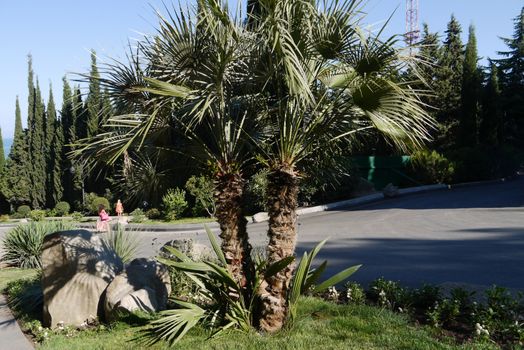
<point x="119" y="208"/>
<point x="103" y="219"/>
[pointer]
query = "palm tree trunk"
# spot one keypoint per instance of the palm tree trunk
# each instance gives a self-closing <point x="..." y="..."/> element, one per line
<point x="229" y="192"/>
<point x="282" y="192"/>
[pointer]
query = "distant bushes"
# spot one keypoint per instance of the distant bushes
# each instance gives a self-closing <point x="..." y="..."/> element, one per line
<point x="432" y="167"/>
<point x="23" y="211"/>
<point x="62" y="208"/>
<point x="174" y="202"/>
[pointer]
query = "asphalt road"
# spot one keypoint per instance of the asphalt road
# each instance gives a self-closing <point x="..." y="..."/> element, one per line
<point x="470" y="235"/>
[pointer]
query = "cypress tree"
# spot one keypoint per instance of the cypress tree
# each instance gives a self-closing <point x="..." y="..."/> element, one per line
<point x="68" y="136"/>
<point x="470" y="97"/>
<point x="491" y="127"/>
<point x="15" y="182"/>
<point x="37" y="152"/>
<point x="107" y="108"/>
<point x="93" y="101"/>
<point x="50" y="153"/>
<point x="58" y="163"/>
<point x="31" y="105"/>
<point x="80" y="117"/>
<point x="429" y="53"/>
<point x="2" y="154"/>
<point x="512" y="69"/>
<point x="449" y="82"/>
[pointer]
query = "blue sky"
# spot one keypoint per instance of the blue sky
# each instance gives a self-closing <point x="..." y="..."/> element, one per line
<point x="60" y="33"/>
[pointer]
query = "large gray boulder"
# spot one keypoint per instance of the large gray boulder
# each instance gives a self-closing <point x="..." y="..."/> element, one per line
<point x="144" y="286"/>
<point x="77" y="266"/>
<point x="195" y="251"/>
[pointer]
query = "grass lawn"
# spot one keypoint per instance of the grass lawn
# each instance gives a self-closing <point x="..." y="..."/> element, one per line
<point x="320" y="325"/>
<point x="12" y="274"/>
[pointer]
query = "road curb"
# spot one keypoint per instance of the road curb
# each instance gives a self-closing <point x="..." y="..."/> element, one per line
<point x="156" y="228"/>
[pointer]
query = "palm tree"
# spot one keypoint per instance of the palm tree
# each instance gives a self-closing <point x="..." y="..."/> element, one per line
<point x="191" y="80"/>
<point x="327" y="81"/>
<point x="286" y="88"/>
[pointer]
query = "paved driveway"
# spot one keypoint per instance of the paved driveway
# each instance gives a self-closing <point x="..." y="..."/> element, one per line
<point x="472" y="235"/>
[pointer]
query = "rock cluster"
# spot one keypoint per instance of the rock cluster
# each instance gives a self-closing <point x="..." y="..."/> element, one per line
<point x="84" y="280"/>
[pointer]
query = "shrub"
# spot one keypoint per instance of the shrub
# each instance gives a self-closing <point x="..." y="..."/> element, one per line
<point x="24" y="211"/>
<point x="202" y="188"/>
<point x="96" y="202"/>
<point x="124" y="243"/>
<point x="50" y="213"/>
<point x="153" y="214"/>
<point x="77" y="216"/>
<point x="37" y="215"/>
<point x="23" y="245"/>
<point x="174" y="203"/>
<point x="432" y="167"/>
<point x="389" y="294"/>
<point x="502" y="317"/>
<point x="62" y="208"/>
<point x="426" y="297"/>
<point x="355" y="294"/>
<point x="4" y="218"/>
<point x="138" y="215"/>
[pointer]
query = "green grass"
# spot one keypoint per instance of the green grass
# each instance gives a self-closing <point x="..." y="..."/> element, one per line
<point x="12" y="274"/>
<point x="320" y="325"/>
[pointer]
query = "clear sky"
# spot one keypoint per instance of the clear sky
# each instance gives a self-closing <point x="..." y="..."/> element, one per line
<point x="60" y="33"/>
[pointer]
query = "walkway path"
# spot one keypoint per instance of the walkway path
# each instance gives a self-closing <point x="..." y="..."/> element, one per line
<point x="11" y="336"/>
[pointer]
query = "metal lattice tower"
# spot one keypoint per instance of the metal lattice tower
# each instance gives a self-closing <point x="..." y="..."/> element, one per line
<point x="412" y="29"/>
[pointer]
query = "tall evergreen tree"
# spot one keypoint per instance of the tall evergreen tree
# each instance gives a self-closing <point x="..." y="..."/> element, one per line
<point x="58" y="163"/>
<point x="470" y="97"/>
<point x="50" y="153"/>
<point x="491" y="128"/>
<point x="429" y="54"/>
<point x="31" y="105"/>
<point x="107" y="108"/>
<point x="80" y="117"/>
<point x="15" y="183"/>
<point x="2" y="154"/>
<point x="69" y="136"/>
<point x="37" y="152"/>
<point x="93" y="101"/>
<point x="449" y="82"/>
<point x="512" y="69"/>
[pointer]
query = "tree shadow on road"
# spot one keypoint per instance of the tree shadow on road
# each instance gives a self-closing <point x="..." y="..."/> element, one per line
<point x="496" y="256"/>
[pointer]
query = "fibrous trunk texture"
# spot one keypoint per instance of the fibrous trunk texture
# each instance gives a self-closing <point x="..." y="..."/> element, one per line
<point x="282" y="192"/>
<point x="229" y="190"/>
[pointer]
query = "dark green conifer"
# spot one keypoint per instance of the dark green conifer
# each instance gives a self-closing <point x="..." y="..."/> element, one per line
<point x="512" y="81"/>
<point x="69" y="136"/>
<point x="449" y="83"/>
<point x="2" y="154"/>
<point x="93" y="101"/>
<point x="15" y="183"/>
<point x="37" y="152"/>
<point x="470" y="97"/>
<point x="50" y="153"/>
<point x="491" y="128"/>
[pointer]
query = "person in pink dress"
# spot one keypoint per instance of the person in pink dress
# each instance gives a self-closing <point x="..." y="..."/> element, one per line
<point x="103" y="219"/>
